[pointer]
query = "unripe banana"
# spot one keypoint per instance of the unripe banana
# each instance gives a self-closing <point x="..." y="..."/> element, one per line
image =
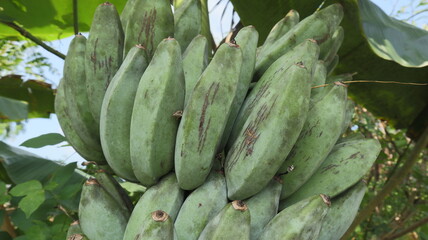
<point x="270" y="131"/>
<point x="153" y="125"/>
<point x="156" y="225"/>
<point x="351" y="137"/>
<point x="320" y="132"/>
<point x="345" y="165"/>
<point x="329" y="48"/>
<point x="332" y="65"/>
<point x="77" y="236"/>
<point x="319" y="26"/>
<point x="126" y="13"/>
<point x="76" y="95"/>
<point x="203" y="204"/>
<point x="319" y="77"/>
<point x="232" y="222"/>
<point x="63" y="113"/>
<point x="187" y="21"/>
<point x="349" y="114"/>
<point x="205" y="117"/>
<point x="109" y="183"/>
<point x="100" y="215"/>
<point x="116" y="112"/>
<point x="206" y="30"/>
<point x="263" y="207"/>
<point x="195" y="60"/>
<point x="74" y="229"/>
<point x="281" y="28"/>
<point x="301" y="220"/>
<point x="150" y="22"/>
<point x="103" y="56"/>
<point x="166" y="196"/>
<point x="247" y="39"/>
<point x="301" y="53"/>
<point x="342" y="212"/>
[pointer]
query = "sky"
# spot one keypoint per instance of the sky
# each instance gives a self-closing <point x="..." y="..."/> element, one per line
<point x="37" y="127"/>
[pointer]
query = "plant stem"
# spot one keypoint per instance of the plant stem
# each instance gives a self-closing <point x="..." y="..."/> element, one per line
<point x="408" y="229"/>
<point x="30" y="36"/>
<point x="393" y="182"/>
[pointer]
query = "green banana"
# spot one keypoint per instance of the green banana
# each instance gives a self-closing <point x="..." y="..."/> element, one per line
<point x="305" y="51"/>
<point x="64" y="119"/>
<point x="157" y="225"/>
<point x="332" y="65"/>
<point x="195" y="60"/>
<point x="329" y="48"/>
<point x="153" y="126"/>
<point x="342" y="212"/>
<point x="349" y="114"/>
<point x="100" y="215"/>
<point x="301" y="220"/>
<point x="269" y="132"/>
<point x="200" y="206"/>
<point x="281" y="28"/>
<point x="345" y="165"/>
<point x="109" y="183"/>
<point x="73" y="229"/>
<point x="247" y="39"/>
<point x="319" y="26"/>
<point x="205" y="117"/>
<point x="75" y="92"/>
<point x="166" y="196"/>
<point x="205" y="29"/>
<point x="187" y="21"/>
<point x="116" y="112"/>
<point x="319" y="77"/>
<point x="77" y="236"/>
<point x="322" y="128"/>
<point x="263" y="207"/>
<point x="150" y="22"/>
<point x="232" y="222"/>
<point x="103" y="56"/>
<point x="352" y="136"/>
<point x="126" y="13"/>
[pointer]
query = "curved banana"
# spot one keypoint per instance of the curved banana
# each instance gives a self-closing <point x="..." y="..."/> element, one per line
<point x="126" y="13"/>
<point x="104" y="54"/>
<point x="205" y="117"/>
<point x="153" y="125"/>
<point x="329" y="48"/>
<point x="166" y="196"/>
<point x="232" y="222"/>
<point x="156" y="225"/>
<point x="319" y="77"/>
<point x="187" y="21"/>
<point x="116" y="112"/>
<point x="271" y="129"/>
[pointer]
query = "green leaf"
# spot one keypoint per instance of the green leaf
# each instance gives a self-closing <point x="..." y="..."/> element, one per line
<point x="5" y="236"/>
<point x="44" y="140"/>
<point x="52" y="21"/>
<point x="32" y="201"/>
<point x="39" y="95"/>
<point x="26" y="188"/>
<point x="404" y="106"/>
<point x="13" y="109"/>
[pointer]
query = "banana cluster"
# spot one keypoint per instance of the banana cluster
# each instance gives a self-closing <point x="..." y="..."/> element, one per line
<point x="236" y="144"/>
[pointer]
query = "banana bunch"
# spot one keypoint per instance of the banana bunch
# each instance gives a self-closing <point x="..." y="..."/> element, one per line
<point x="240" y="143"/>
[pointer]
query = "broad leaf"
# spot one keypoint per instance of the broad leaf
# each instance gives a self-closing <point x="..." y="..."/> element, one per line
<point x="33" y="193"/>
<point x="13" y="109"/>
<point x="44" y="140"/>
<point x="25" y="188"/>
<point x="404" y="106"/>
<point x="48" y="19"/>
<point x="39" y="95"/>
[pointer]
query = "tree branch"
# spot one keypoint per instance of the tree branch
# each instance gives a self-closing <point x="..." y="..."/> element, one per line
<point x="394" y="181"/>
<point x="75" y="18"/>
<point x="408" y="229"/>
<point x="30" y="36"/>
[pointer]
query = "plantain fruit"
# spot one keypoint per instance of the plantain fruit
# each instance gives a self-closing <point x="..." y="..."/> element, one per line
<point x="74" y="231"/>
<point x="64" y="118"/>
<point x="187" y="21"/>
<point x="232" y="222"/>
<point x="195" y="60"/>
<point x="116" y="112"/>
<point x="205" y="117"/>
<point x="156" y="225"/>
<point x="125" y="15"/>
<point x="272" y="127"/>
<point x="330" y="47"/>
<point x="318" y="26"/>
<point x="319" y="77"/>
<point x="203" y="204"/>
<point x="159" y="95"/>
<point x="301" y="220"/>
<point x="101" y="217"/>
<point x="343" y="210"/>
<point x="149" y="23"/>
<point x="166" y="196"/>
<point x="103" y="54"/>
<point x="263" y="207"/>
<point x="322" y="128"/>
<point x="345" y="165"/>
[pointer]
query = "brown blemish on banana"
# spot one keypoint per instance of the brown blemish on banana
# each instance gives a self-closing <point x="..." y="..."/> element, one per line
<point x="203" y="124"/>
<point x="326" y="168"/>
<point x="148" y="30"/>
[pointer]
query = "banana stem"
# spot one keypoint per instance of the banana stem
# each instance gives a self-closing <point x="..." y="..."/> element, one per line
<point x="33" y="38"/>
<point x="393" y="182"/>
